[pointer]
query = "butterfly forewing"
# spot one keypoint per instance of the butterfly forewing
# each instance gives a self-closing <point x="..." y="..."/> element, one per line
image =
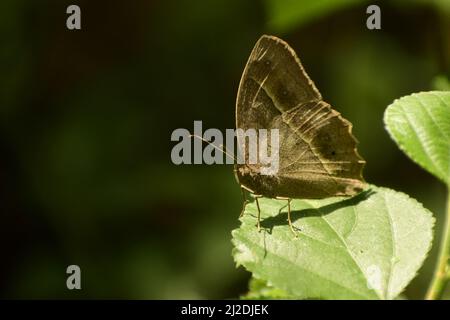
<point x="317" y="152"/>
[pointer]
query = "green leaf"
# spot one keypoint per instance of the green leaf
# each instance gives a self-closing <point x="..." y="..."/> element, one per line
<point x="420" y="125"/>
<point x="260" y="289"/>
<point x="366" y="247"/>
<point x="283" y="15"/>
<point x="441" y="83"/>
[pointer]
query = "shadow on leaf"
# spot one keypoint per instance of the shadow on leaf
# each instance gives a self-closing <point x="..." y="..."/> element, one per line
<point x="281" y="218"/>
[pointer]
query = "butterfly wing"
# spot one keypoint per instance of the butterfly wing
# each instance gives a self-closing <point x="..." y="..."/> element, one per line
<point x="317" y="152"/>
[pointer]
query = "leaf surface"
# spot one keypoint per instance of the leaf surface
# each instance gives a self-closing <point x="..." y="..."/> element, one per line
<point x="420" y="125"/>
<point x="366" y="247"/>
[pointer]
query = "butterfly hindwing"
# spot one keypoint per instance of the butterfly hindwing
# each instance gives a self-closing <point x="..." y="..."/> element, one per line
<point x="317" y="152"/>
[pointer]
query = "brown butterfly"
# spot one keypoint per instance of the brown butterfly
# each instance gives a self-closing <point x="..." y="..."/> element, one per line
<point x="317" y="151"/>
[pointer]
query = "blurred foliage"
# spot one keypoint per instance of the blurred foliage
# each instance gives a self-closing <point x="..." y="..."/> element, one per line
<point x="284" y="15"/>
<point x="86" y="118"/>
<point x="259" y="290"/>
<point x="441" y="83"/>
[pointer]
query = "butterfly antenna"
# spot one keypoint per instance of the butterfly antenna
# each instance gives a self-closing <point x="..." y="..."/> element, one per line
<point x="221" y="147"/>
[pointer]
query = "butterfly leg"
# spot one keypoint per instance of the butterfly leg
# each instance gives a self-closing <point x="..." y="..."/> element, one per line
<point x="259" y="212"/>
<point x="245" y="203"/>
<point x="291" y="226"/>
<point x="255" y="196"/>
<point x="289" y="217"/>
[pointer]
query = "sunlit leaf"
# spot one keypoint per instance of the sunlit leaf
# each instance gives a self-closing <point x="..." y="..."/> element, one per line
<point x="420" y="125"/>
<point x="366" y="247"/>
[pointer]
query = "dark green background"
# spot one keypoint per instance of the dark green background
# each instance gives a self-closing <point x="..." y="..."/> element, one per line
<point x="86" y="118"/>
